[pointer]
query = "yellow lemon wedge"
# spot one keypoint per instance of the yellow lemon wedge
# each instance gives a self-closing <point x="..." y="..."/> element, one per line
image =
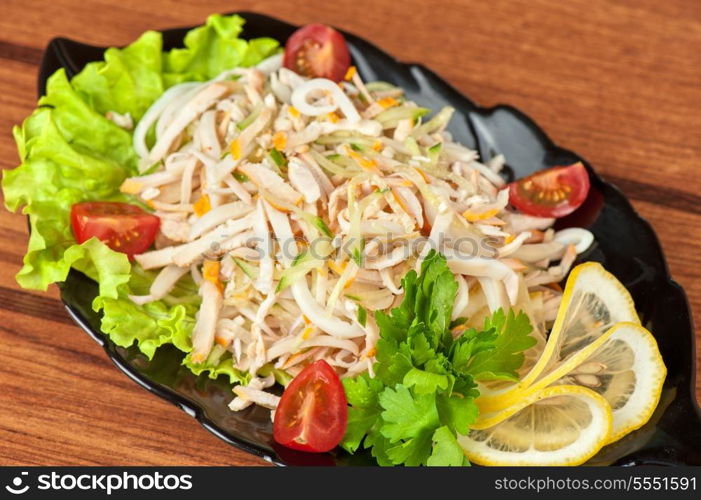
<point x="628" y="371"/>
<point x="559" y="425"/>
<point x="624" y="366"/>
<point x="593" y="301"/>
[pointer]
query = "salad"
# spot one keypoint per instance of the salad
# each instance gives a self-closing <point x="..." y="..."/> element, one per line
<point x="283" y="222"/>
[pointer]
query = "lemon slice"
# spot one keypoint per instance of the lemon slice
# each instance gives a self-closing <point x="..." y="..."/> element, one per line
<point x="593" y="301"/>
<point x="624" y="366"/>
<point x="628" y="371"/>
<point x="560" y="425"/>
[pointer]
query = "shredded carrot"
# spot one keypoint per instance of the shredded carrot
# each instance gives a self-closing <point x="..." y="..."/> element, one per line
<point x="400" y="201"/>
<point x="459" y="328"/>
<point x="515" y="264"/>
<point x="423" y="175"/>
<point x="202" y="206"/>
<point x="338" y="269"/>
<point x="333" y="117"/>
<point x="475" y="217"/>
<point x="377" y="146"/>
<point x="289" y="360"/>
<point x="221" y="341"/>
<point x="349" y="282"/>
<point x="387" y="102"/>
<point x="280" y="140"/>
<point x="305" y="319"/>
<point x="350" y="73"/>
<point x="371" y="352"/>
<point x="365" y="163"/>
<point x="558" y="288"/>
<point x="210" y="272"/>
<point x="236" y="149"/>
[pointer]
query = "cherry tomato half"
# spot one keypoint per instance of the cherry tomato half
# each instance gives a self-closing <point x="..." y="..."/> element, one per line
<point x="313" y="410"/>
<point x="554" y="192"/>
<point x="123" y="227"/>
<point x="316" y="50"/>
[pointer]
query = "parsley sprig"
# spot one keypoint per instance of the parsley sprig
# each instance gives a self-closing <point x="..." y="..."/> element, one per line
<point x="423" y="393"/>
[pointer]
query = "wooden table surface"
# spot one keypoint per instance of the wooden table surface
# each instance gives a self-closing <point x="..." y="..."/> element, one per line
<point x="618" y="82"/>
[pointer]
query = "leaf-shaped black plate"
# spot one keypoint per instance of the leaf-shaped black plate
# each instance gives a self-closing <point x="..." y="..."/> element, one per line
<point x="625" y="244"/>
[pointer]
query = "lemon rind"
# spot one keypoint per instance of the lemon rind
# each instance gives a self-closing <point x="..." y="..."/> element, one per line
<point x="602" y="419"/>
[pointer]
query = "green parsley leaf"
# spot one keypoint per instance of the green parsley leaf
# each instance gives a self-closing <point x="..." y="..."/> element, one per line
<point x="446" y="450"/>
<point x="406" y="415"/>
<point x="456" y="412"/>
<point x="398" y="322"/>
<point x="413" y="451"/>
<point x="421" y="350"/>
<point x="469" y="344"/>
<point x="393" y="361"/>
<point x="435" y="296"/>
<point x="362" y="395"/>
<point x="465" y="386"/>
<point x="501" y="362"/>
<point x="423" y="393"/>
<point x="423" y="382"/>
<point x="379" y="445"/>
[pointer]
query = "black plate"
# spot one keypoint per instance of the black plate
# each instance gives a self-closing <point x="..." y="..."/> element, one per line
<point x="625" y="244"/>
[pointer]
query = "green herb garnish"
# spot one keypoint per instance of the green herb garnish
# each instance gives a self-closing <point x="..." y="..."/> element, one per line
<point x="423" y="394"/>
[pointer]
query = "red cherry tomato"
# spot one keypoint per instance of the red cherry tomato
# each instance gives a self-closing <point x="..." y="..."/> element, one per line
<point x="313" y="410"/>
<point x="123" y="227"/>
<point x="554" y="192"/>
<point x="316" y="50"/>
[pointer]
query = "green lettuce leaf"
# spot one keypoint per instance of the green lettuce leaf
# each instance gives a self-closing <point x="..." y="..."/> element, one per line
<point x="56" y="174"/>
<point x="166" y="321"/>
<point x="213" y="48"/>
<point x="127" y="81"/>
<point x="70" y="152"/>
<point x="86" y="129"/>
<point x="220" y="366"/>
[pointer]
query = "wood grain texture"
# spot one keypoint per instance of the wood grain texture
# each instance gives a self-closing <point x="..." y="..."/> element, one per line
<point x="618" y="82"/>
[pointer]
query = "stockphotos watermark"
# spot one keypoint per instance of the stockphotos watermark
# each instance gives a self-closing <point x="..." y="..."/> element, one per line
<point x="466" y="247"/>
<point x="104" y="483"/>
